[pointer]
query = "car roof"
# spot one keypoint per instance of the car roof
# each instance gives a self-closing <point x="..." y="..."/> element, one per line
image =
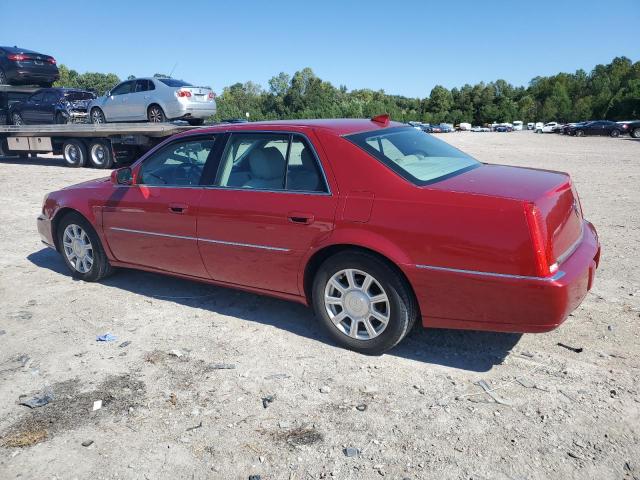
<point x="339" y="126"/>
<point x="17" y="50"/>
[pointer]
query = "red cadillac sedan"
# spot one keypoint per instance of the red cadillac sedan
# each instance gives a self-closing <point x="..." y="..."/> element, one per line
<point x="372" y="222"/>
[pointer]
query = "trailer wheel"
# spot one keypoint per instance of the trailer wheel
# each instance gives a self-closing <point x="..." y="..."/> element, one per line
<point x="100" y="154"/>
<point x="74" y="153"/>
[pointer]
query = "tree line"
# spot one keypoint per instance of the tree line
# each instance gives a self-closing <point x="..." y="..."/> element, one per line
<point x="610" y="91"/>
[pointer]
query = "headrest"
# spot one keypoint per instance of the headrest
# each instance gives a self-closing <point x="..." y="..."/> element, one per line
<point x="267" y="163"/>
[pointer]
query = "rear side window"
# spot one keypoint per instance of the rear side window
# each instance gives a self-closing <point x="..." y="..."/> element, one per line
<point x="413" y="154"/>
<point x="270" y="161"/>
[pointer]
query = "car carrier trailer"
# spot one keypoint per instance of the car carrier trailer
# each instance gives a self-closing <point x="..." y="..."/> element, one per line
<point x="92" y="145"/>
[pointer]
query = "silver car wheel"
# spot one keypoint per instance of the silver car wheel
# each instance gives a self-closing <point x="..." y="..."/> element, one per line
<point x="155" y="115"/>
<point x="357" y="304"/>
<point x="98" y="154"/>
<point x="97" y="116"/>
<point x="17" y="119"/>
<point x="77" y="248"/>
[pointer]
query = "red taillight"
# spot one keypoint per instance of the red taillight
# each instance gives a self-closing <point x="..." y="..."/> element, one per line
<point x="183" y="93"/>
<point x="539" y="239"/>
<point x="51" y="60"/>
<point x="212" y="95"/>
<point x="17" y="57"/>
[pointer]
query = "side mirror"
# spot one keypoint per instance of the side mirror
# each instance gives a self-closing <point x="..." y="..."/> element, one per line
<point x="122" y="176"/>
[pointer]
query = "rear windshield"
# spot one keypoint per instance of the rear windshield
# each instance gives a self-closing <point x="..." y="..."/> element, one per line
<point x="171" y="82"/>
<point x="414" y="154"/>
<point x="75" y="96"/>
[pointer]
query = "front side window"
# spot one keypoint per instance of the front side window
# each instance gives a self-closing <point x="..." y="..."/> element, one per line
<point x="50" y="98"/>
<point x="123" y="88"/>
<point x="270" y="162"/>
<point x="413" y="154"/>
<point x="178" y="164"/>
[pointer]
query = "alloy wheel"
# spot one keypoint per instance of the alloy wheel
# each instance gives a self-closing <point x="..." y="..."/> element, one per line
<point x="156" y="115"/>
<point x="77" y="248"/>
<point x="97" y="116"/>
<point x="357" y="304"/>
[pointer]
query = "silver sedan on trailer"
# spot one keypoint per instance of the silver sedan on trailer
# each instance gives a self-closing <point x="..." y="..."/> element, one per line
<point x="154" y="100"/>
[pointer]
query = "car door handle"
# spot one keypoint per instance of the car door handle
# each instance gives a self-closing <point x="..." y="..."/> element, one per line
<point x="301" y="218"/>
<point x="178" y="208"/>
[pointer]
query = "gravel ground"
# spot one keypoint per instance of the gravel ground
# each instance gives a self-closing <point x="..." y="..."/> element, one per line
<point x="206" y="382"/>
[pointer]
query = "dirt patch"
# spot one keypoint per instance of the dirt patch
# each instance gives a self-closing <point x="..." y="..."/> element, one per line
<point x="300" y="436"/>
<point x="72" y="408"/>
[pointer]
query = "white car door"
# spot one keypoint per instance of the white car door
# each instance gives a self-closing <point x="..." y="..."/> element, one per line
<point x="115" y="107"/>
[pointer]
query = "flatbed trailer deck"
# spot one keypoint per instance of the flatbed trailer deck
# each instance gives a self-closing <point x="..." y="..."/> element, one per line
<point x="95" y="145"/>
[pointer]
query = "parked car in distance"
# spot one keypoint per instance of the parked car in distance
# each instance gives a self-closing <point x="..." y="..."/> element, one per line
<point x="476" y="129"/>
<point x="19" y="66"/>
<point x="52" y="105"/>
<point x="446" y="127"/>
<point x="598" y="127"/>
<point x="485" y="129"/>
<point x="464" y="127"/>
<point x="281" y="208"/>
<point x="631" y="127"/>
<point x="530" y="126"/>
<point x="546" y="128"/>
<point x="154" y="100"/>
<point x="517" y="125"/>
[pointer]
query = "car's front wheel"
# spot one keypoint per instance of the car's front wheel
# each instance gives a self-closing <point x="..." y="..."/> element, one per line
<point x="615" y="133"/>
<point x="363" y="302"/>
<point x="81" y="248"/>
<point x="97" y="116"/>
<point x="579" y="133"/>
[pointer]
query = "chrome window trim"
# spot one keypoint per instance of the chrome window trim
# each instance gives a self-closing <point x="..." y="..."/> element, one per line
<point x="208" y="240"/>
<point x="557" y="276"/>
<point x="274" y="132"/>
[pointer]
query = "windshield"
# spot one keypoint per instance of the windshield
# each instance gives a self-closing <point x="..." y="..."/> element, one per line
<point x="171" y="82"/>
<point x="413" y="154"/>
<point x="75" y="96"/>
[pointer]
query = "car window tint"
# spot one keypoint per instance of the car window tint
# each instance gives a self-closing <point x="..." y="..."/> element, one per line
<point x="270" y="162"/>
<point x="122" y="88"/>
<point x="37" y="97"/>
<point x="141" y="86"/>
<point x="303" y="171"/>
<point x="150" y="85"/>
<point x="50" y="97"/>
<point x="177" y="164"/>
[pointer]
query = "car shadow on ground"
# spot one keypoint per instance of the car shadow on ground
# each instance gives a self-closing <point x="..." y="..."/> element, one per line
<point x="462" y="349"/>
<point x="34" y="160"/>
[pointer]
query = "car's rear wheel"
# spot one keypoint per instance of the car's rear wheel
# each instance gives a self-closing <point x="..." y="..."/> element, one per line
<point x="74" y="153"/>
<point x="615" y="133"/>
<point x="100" y="154"/>
<point x="16" y="119"/>
<point x="635" y="133"/>
<point x="579" y="133"/>
<point x="363" y="302"/>
<point x="97" y="116"/>
<point x="81" y="248"/>
<point x="155" y="114"/>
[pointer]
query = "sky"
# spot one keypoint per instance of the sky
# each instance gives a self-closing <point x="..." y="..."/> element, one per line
<point x="402" y="47"/>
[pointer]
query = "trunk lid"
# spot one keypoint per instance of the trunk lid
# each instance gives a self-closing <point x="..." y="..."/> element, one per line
<point x="550" y="202"/>
<point x="198" y="94"/>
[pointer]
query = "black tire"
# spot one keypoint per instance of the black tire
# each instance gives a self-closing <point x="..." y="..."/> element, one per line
<point x="579" y="133"/>
<point x="195" y="122"/>
<point x="100" y="154"/>
<point x="155" y="114"/>
<point x="3" y="78"/>
<point x="16" y="119"/>
<point x="96" y="116"/>
<point x="100" y="267"/>
<point x="61" y="119"/>
<point x="403" y="309"/>
<point x="635" y="133"/>
<point x="74" y="153"/>
<point x="615" y="133"/>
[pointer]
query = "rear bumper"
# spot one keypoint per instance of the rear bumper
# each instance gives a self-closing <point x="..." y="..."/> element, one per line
<point x="44" y="229"/>
<point x="192" y="110"/>
<point x="26" y="75"/>
<point x="474" y="301"/>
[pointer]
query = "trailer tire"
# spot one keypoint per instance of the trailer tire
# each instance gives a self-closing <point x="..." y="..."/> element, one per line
<point x="74" y="153"/>
<point x="100" y="154"/>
